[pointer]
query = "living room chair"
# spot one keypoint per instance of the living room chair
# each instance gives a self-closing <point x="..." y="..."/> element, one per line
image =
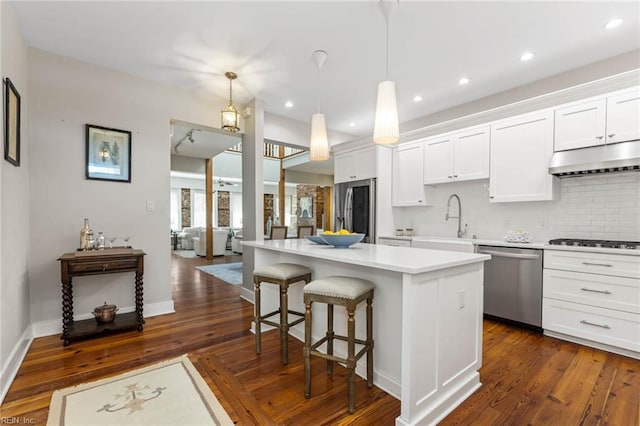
<point x="278" y="233"/>
<point x="305" y="231"/>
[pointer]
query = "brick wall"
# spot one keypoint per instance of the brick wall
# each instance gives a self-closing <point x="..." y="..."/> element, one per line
<point x="185" y="196"/>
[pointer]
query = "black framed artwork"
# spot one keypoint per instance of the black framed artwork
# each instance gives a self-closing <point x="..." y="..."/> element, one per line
<point x="11" y="123"/>
<point x="108" y="154"/>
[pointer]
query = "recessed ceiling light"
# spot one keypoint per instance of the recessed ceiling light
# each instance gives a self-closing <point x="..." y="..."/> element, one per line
<point x="352" y="124"/>
<point x="288" y="104"/>
<point x="463" y="81"/>
<point x="613" y="23"/>
<point x="417" y="98"/>
<point x="526" y="56"/>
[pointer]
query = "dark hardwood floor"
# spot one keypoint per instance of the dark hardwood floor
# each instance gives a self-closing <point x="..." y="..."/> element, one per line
<point x="528" y="379"/>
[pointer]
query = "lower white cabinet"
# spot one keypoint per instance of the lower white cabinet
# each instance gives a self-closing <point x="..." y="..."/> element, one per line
<point x="593" y="298"/>
<point x="521" y="148"/>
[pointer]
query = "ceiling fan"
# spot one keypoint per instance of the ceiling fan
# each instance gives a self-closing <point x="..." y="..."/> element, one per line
<point x="222" y="183"/>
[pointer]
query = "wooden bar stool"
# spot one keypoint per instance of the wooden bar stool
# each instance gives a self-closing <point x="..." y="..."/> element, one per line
<point x="281" y="274"/>
<point x="347" y="292"/>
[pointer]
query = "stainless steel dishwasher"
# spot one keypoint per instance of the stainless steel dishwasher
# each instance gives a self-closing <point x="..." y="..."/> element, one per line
<point x="513" y="285"/>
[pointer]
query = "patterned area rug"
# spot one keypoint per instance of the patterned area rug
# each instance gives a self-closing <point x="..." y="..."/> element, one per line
<point x="231" y="273"/>
<point x="188" y="254"/>
<point x="168" y="393"/>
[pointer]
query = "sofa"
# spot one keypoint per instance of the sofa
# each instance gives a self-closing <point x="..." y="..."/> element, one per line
<point x="236" y="241"/>
<point x="219" y="242"/>
<point x="186" y="236"/>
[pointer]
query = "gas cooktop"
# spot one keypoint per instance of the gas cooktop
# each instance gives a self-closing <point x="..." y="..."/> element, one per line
<point x="595" y="243"/>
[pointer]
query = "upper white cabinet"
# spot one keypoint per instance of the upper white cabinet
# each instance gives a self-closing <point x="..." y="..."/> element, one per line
<point x="521" y="148"/>
<point x="457" y="157"/>
<point x="355" y="165"/>
<point x="611" y="119"/>
<point x="407" y="186"/>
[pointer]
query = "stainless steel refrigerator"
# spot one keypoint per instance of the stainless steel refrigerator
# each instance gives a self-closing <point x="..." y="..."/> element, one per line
<point x="355" y="207"/>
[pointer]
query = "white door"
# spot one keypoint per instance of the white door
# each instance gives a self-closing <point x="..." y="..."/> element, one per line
<point x="408" y="188"/>
<point x="521" y="148"/>
<point x="438" y="160"/>
<point x="623" y="117"/>
<point x="580" y="125"/>
<point x="471" y="154"/>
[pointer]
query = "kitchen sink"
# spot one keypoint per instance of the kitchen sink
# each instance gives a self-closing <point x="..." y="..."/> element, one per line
<point x="442" y="243"/>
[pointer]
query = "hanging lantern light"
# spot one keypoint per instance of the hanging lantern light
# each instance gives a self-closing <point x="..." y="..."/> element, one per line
<point x="230" y="113"/>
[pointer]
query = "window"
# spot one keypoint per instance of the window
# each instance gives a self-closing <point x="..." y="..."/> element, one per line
<point x="198" y="208"/>
<point x="176" y="217"/>
<point x="236" y="209"/>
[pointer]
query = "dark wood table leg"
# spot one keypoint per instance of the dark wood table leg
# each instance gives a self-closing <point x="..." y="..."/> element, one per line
<point x="139" y="296"/>
<point x="67" y="310"/>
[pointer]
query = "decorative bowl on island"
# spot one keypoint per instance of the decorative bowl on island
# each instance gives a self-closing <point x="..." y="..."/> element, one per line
<point x="342" y="240"/>
<point x="316" y="239"/>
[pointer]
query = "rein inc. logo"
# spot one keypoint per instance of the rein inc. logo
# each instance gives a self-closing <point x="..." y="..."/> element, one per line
<point x="16" y="420"/>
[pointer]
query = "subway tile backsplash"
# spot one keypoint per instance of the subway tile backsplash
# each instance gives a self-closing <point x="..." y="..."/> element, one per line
<point x="604" y="206"/>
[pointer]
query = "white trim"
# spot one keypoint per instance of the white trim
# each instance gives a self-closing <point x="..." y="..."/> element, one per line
<point x="54" y="326"/>
<point x="11" y="367"/>
<point x="554" y="99"/>
<point x="247" y="294"/>
<point x="593" y="344"/>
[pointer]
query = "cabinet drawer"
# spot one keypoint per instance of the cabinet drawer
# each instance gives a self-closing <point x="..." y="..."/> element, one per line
<point x="615" y="328"/>
<point x="394" y="242"/>
<point x="602" y="291"/>
<point x="595" y="263"/>
<point x="102" y="266"/>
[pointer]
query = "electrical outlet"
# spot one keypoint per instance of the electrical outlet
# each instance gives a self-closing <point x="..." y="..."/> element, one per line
<point x="151" y="206"/>
<point x="543" y="223"/>
<point x="461" y="299"/>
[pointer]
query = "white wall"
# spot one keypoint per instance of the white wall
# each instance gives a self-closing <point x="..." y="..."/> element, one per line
<point x="605" y="206"/>
<point x="293" y="132"/>
<point x="15" y="312"/>
<point x="66" y="95"/>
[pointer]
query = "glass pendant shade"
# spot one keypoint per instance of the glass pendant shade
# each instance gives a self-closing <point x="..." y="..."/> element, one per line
<point x="319" y="144"/>
<point x="230" y="119"/>
<point x="386" y="128"/>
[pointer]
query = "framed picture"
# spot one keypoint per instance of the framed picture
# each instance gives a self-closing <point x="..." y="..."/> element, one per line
<point x="306" y="206"/>
<point x="108" y="154"/>
<point x="11" y="124"/>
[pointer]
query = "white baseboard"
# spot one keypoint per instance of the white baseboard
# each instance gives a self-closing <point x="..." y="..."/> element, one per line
<point x="10" y="368"/>
<point x="54" y="326"/>
<point x="246" y="294"/>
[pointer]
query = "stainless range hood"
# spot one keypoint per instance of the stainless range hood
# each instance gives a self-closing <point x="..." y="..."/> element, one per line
<point x="617" y="157"/>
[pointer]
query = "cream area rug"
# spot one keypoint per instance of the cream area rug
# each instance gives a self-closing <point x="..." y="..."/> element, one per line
<point x="169" y="393"/>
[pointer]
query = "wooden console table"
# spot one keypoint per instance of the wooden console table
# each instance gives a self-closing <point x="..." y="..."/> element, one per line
<point x="95" y="262"/>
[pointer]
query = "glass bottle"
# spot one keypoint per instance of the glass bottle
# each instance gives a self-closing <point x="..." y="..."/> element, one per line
<point x="101" y="241"/>
<point x="91" y="242"/>
<point x="84" y="244"/>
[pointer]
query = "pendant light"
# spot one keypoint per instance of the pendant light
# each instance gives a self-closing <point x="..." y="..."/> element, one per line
<point x="319" y="145"/>
<point x="230" y="113"/>
<point x="386" y="129"/>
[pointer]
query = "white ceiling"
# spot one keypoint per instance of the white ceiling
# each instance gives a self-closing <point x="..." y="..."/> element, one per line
<point x="269" y="45"/>
<point x="207" y="142"/>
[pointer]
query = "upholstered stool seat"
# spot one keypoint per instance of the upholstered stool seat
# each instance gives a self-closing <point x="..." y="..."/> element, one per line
<point x="347" y="292"/>
<point x="282" y="274"/>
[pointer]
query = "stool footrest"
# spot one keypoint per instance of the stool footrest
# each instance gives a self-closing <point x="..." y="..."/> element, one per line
<point x="263" y="318"/>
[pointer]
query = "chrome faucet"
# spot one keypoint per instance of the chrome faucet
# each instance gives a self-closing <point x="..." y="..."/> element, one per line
<point x="459" y="217"/>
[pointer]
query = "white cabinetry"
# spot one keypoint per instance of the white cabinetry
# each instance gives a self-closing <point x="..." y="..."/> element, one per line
<point x="457" y="156"/>
<point x="592" y="298"/>
<point x="610" y="119"/>
<point x="355" y="165"/>
<point x="407" y="186"/>
<point x="521" y="148"/>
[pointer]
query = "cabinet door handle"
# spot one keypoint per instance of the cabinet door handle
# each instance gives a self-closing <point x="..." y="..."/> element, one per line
<point x="595" y="325"/>
<point x="597" y="264"/>
<point x="599" y="137"/>
<point x="611" y="135"/>
<point x="595" y="291"/>
<point x="450" y="176"/>
<point x="419" y="201"/>
<point x="455" y="176"/>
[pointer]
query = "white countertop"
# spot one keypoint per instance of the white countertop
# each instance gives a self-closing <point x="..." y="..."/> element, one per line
<point x="399" y="259"/>
<point x="540" y="245"/>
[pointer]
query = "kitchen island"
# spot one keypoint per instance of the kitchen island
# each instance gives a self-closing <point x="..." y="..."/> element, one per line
<point x="427" y="320"/>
